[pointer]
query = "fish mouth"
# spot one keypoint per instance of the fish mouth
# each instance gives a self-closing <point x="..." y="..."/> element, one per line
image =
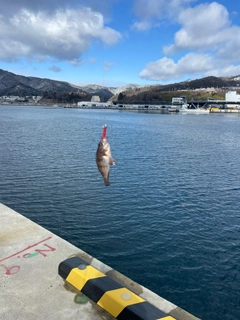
<point x="104" y="140"/>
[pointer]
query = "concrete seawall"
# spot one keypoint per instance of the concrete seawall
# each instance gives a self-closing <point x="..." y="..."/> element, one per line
<point x="31" y="287"/>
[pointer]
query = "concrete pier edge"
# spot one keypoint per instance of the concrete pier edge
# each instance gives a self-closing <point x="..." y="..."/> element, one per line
<point x="29" y="259"/>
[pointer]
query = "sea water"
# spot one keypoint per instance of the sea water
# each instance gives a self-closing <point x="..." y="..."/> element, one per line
<point x="170" y="219"/>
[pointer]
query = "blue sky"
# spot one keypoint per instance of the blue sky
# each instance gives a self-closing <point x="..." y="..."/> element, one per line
<point x="118" y="42"/>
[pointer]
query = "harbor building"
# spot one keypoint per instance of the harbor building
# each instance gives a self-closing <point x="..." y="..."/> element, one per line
<point x="233" y="98"/>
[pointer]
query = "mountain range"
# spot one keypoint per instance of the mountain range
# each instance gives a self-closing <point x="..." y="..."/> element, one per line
<point x="17" y="85"/>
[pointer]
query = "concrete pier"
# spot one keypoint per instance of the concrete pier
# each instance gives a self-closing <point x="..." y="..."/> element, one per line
<point x="31" y="287"/>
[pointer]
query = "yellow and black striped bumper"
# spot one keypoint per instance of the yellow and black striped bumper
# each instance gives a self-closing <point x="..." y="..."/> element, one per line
<point x="120" y="302"/>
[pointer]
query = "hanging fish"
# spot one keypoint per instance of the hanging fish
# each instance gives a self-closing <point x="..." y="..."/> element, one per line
<point x="103" y="157"/>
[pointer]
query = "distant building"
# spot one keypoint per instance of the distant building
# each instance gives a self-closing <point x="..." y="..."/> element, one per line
<point x="232" y="99"/>
<point x="232" y="96"/>
<point x="179" y="100"/>
<point x="10" y="98"/>
<point x="92" y="104"/>
<point x="17" y="99"/>
<point x="95" y="99"/>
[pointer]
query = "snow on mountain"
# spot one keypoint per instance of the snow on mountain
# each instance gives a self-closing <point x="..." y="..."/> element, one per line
<point x="124" y="88"/>
<point x="91" y="88"/>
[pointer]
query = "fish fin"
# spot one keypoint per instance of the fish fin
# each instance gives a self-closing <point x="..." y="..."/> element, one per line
<point x="112" y="161"/>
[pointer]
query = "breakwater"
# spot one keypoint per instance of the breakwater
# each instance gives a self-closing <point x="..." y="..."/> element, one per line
<point x="30" y="269"/>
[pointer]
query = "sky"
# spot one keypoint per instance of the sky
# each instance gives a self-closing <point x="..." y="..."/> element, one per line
<point x="119" y="42"/>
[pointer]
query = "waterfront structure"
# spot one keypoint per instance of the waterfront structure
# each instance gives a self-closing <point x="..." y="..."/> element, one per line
<point x="230" y="104"/>
<point x="34" y="263"/>
<point x="179" y="101"/>
<point x="93" y="104"/>
<point x="233" y="99"/>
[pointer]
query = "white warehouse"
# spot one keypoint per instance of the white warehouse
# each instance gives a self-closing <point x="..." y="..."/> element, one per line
<point x="91" y="104"/>
<point x="232" y="96"/>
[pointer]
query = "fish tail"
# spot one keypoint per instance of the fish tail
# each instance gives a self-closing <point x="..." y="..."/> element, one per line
<point x="106" y="182"/>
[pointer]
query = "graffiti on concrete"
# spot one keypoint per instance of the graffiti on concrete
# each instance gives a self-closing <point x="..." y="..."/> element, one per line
<point x="41" y="248"/>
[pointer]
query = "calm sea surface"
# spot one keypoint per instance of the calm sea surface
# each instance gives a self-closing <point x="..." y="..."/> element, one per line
<point x="170" y="219"/>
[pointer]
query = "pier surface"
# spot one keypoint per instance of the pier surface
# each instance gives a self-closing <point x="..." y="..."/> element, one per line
<point x="31" y="287"/>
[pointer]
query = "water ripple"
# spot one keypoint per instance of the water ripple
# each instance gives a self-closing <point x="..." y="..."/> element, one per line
<point x="169" y="220"/>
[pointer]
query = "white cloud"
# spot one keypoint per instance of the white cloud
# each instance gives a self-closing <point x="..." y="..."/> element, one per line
<point x="107" y="65"/>
<point x="150" y="11"/>
<point x="165" y="69"/>
<point x="147" y="9"/>
<point x="55" y="69"/>
<point x="229" y="49"/>
<point x="142" y="25"/>
<point x="76" y="62"/>
<point x="203" y="26"/>
<point x="64" y="34"/>
<point x="11" y="50"/>
<point x="228" y="70"/>
<point x="208" y="42"/>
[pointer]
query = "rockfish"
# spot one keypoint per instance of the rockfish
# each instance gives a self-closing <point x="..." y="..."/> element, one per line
<point x="103" y="157"/>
